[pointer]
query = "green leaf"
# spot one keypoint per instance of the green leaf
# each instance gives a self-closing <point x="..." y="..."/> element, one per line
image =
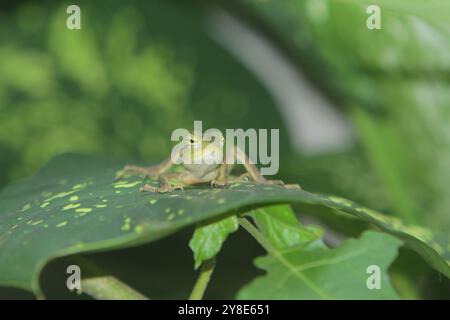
<point x="280" y="225"/>
<point x="322" y="273"/>
<point x="73" y="205"/>
<point x="207" y="240"/>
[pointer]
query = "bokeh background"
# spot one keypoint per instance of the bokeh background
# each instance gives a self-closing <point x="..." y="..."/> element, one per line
<point x="362" y="113"/>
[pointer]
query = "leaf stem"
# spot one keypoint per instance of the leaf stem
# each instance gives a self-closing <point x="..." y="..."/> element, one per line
<point x="102" y="286"/>
<point x="203" y="279"/>
<point x="250" y="228"/>
<point x="110" y="288"/>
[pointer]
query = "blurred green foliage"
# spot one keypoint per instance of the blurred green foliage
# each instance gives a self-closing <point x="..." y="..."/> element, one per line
<point x="139" y="69"/>
<point x="119" y="86"/>
<point x="393" y="83"/>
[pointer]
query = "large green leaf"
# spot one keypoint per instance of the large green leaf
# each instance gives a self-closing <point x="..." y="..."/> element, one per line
<point x="322" y="273"/>
<point x="73" y="205"/>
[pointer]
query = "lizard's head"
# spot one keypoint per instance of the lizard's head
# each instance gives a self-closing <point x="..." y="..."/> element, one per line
<point x="197" y="140"/>
<point x="206" y="148"/>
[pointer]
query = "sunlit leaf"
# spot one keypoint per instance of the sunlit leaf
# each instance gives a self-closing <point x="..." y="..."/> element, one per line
<point x="280" y="225"/>
<point x="208" y="240"/>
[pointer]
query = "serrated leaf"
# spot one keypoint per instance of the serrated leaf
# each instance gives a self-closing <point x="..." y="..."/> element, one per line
<point x="73" y="205"/>
<point x="208" y="240"/>
<point x="322" y="273"/>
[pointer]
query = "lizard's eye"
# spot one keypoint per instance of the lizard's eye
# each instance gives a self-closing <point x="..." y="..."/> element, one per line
<point x="191" y="141"/>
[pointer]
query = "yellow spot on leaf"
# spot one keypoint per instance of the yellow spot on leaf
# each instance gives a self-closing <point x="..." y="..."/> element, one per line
<point x="101" y="205"/>
<point x="125" y="184"/>
<point x="79" y="186"/>
<point x="342" y="201"/>
<point x="60" y="195"/>
<point x="26" y="207"/>
<point x="138" y="229"/>
<point x="126" y="225"/>
<point x="153" y="201"/>
<point x="71" y="206"/>
<point x="74" y="198"/>
<point x="37" y="222"/>
<point x="61" y="224"/>
<point x="45" y="204"/>
<point x="83" y="210"/>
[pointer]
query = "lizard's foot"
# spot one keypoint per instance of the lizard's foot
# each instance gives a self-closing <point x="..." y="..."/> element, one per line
<point x="161" y="189"/>
<point x="145" y="172"/>
<point x="243" y="177"/>
<point x="281" y="183"/>
<point x="292" y="186"/>
<point x="273" y="182"/>
<point x="219" y="183"/>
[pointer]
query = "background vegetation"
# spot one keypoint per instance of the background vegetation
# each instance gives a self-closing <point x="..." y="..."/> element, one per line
<point x="139" y="69"/>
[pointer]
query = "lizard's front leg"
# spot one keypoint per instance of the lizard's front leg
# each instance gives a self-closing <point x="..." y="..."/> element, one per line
<point x="252" y="170"/>
<point x="222" y="176"/>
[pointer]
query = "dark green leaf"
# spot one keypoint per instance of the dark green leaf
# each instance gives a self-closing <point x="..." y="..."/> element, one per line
<point x="73" y="205"/>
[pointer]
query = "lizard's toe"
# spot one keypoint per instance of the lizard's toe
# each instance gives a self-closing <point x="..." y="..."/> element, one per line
<point x="148" y="188"/>
<point x="219" y="183"/>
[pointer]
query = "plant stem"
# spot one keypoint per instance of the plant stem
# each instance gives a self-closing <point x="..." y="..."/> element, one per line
<point x="250" y="228"/>
<point x="110" y="288"/>
<point x="102" y="286"/>
<point x="203" y="279"/>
